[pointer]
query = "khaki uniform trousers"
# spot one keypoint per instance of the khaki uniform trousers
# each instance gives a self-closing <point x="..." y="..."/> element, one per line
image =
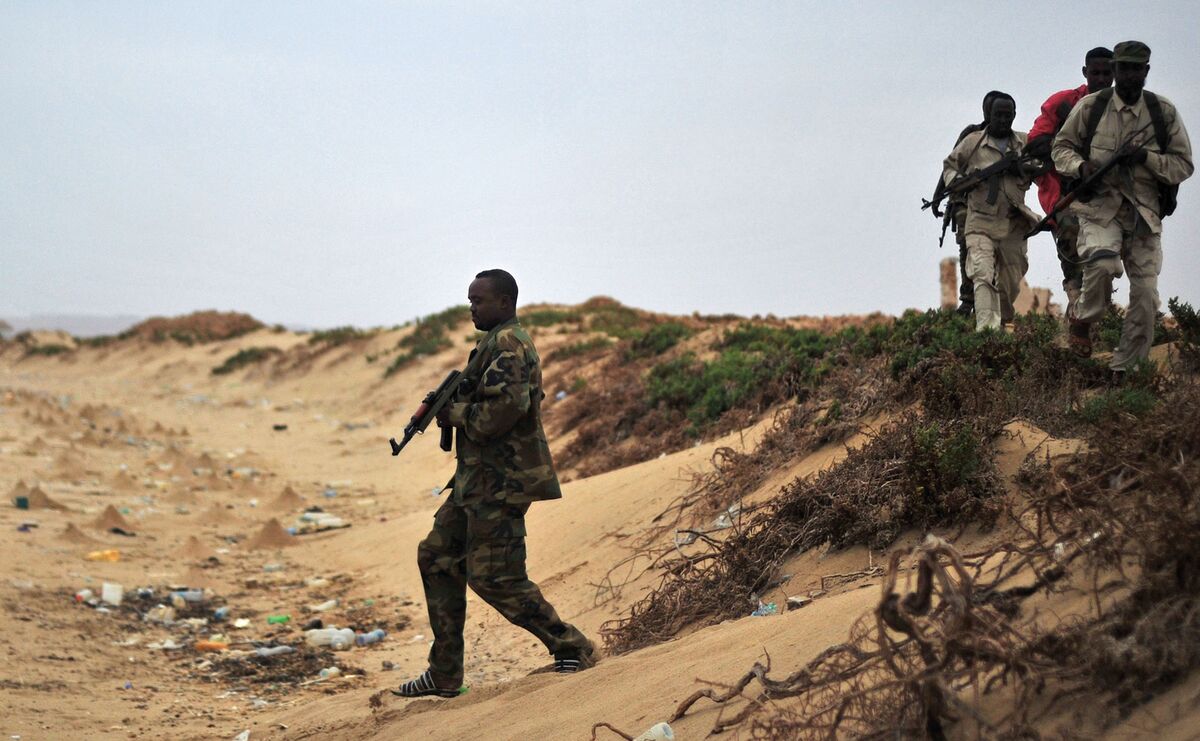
<point x="1124" y="245"/>
<point x="995" y="267"/>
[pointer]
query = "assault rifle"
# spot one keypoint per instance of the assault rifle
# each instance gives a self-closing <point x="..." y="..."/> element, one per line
<point x="1084" y="188"/>
<point x="966" y="183"/>
<point x="432" y="404"/>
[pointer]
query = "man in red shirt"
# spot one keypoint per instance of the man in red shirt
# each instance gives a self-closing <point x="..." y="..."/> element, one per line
<point x="1097" y="70"/>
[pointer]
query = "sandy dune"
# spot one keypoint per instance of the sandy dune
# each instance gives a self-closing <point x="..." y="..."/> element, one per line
<point x="199" y="472"/>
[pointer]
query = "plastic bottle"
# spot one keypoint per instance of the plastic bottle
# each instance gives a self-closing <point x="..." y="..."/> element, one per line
<point x="110" y="554"/>
<point x="335" y="638"/>
<point x="366" y="639"/>
<point x="657" y="732"/>
<point x="273" y="651"/>
<point x="331" y="672"/>
<point x="328" y="604"/>
<point x="84" y="595"/>
<point x="210" y="646"/>
<point x="181" y="597"/>
<point x="271" y="568"/>
<point x="278" y="619"/>
<point x="221" y="613"/>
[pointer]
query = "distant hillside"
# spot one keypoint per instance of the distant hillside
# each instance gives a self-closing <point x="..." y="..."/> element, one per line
<point x="79" y="325"/>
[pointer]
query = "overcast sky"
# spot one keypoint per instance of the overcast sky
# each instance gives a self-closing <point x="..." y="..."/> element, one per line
<point x="358" y="162"/>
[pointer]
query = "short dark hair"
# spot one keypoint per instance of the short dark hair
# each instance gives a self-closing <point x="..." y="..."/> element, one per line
<point x="502" y="282"/>
<point x="1099" y="52"/>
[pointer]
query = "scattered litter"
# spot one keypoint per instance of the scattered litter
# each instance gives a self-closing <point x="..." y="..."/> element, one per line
<point x="271" y="568"/>
<point x="26" y="527"/>
<point x="329" y="493"/>
<point x="657" y="732"/>
<point x="241" y="623"/>
<point x="167" y="645"/>
<point x="243" y="736"/>
<point x="110" y="555"/>
<point x="122" y="531"/>
<point x="765" y="609"/>
<point x="324" y="606"/>
<point x="366" y="639"/>
<point x="279" y="428"/>
<point x="330" y="672"/>
<point x="221" y="613"/>
<point x="795" y="603"/>
<point x="268" y="651"/>
<point x="560" y="396"/>
<point x="278" y="619"/>
<point x="112" y="593"/>
<point x="211" y="646"/>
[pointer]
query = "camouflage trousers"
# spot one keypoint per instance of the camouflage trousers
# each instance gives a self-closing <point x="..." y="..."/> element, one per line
<point x="482" y="545"/>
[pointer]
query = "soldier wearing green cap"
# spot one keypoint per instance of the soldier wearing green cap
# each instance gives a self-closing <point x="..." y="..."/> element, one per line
<point x="1120" y="225"/>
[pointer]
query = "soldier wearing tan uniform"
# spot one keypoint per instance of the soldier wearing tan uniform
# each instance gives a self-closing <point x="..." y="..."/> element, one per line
<point x="1120" y="226"/>
<point x="478" y="535"/>
<point x="997" y="217"/>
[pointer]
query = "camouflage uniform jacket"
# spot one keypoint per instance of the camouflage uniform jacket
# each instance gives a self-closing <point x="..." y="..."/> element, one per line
<point x="501" y="446"/>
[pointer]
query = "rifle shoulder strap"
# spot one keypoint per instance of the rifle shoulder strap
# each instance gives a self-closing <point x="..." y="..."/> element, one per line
<point x="1093" y="120"/>
<point x="1154" y="107"/>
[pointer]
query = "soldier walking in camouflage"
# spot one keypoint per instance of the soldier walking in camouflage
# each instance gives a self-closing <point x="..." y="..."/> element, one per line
<point x="1120" y="226"/>
<point x="478" y="535"/>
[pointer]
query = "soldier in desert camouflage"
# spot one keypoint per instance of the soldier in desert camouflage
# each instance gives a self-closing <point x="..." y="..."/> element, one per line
<point x="478" y="535"/>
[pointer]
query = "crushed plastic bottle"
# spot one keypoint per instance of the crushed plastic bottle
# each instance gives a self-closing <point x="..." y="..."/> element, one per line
<point x="657" y="732"/>
<point x="366" y="639"/>
<point x="339" y="639"/>
<point x="328" y="604"/>
<point x="267" y="651"/>
<point x="330" y="672"/>
<point x="763" y="610"/>
<point x="111" y="555"/>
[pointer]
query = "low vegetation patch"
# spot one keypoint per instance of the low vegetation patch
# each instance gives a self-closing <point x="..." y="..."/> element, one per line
<point x="338" y="336"/>
<point x="245" y="357"/>
<point x="429" y="336"/>
<point x="195" y="328"/>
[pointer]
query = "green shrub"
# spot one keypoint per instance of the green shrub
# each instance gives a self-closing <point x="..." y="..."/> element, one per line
<point x="583" y="347"/>
<point x="547" y="317"/>
<point x="429" y="336"/>
<point x="243" y="358"/>
<point x="656" y="340"/>
<point x="1110" y="404"/>
<point x="49" y="350"/>
<point x="338" y="336"/>
<point x="705" y="391"/>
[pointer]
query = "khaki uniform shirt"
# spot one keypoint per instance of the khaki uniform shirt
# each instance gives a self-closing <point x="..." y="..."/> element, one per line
<point x="1009" y="213"/>
<point x="501" y="446"/>
<point x="1137" y="184"/>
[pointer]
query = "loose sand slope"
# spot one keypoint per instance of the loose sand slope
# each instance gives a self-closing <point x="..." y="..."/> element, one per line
<point x="142" y="439"/>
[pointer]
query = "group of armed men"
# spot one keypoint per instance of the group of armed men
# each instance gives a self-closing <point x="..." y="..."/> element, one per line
<point x="1107" y="161"/>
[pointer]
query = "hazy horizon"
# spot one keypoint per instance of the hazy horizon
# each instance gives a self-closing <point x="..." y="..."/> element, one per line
<point x="316" y="164"/>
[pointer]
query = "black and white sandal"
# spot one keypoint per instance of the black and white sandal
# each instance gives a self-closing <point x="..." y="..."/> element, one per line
<point x="424" y="686"/>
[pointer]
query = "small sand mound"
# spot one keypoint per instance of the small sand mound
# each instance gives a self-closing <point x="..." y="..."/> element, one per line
<point x="197" y="578"/>
<point x="75" y="536"/>
<point x="218" y="515"/>
<point x="19" y="489"/>
<point x="195" y="550"/>
<point x="287" y="501"/>
<point x="111" y="518"/>
<point x="272" y="535"/>
<point x="38" y="499"/>
<point x="68" y="467"/>
<point x="122" y="481"/>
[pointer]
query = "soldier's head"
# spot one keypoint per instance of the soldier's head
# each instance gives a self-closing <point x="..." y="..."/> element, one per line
<point x="1131" y="64"/>
<point x="987" y="104"/>
<point x="1098" y="69"/>
<point x="493" y="299"/>
<point x="1004" y="112"/>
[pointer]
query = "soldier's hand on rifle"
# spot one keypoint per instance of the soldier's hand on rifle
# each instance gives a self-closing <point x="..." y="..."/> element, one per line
<point x="1086" y="170"/>
<point x="443" y="417"/>
<point x="937" y="212"/>
<point x="1136" y="157"/>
